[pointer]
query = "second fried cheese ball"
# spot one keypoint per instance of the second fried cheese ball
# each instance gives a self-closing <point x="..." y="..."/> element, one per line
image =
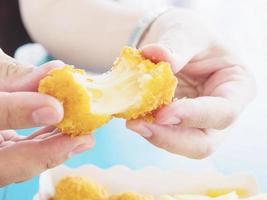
<point x="78" y="188"/>
<point x="130" y="196"/>
<point x="134" y="88"/>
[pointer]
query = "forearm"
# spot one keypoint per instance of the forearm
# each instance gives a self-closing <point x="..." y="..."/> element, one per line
<point x="85" y="33"/>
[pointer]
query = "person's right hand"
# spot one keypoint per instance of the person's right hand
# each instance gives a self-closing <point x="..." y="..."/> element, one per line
<point x="20" y="104"/>
<point x="213" y="90"/>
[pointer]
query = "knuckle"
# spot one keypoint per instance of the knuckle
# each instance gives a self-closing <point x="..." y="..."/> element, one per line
<point x="6" y="112"/>
<point x="8" y="69"/>
<point x="9" y="118"/>
<point x="52" y="162"/>
<point x="49" y="158"/>
<point x="166" y="145"/>
<point x="160" y="142"/>
<point x="203" y="151"/>
<point x="229" y="118"/>
<point x="163" y="142"/>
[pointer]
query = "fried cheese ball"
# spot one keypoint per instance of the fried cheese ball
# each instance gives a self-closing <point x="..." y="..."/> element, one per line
<point x="134" y="88"/>
<point x="78" y="188"/>
<point x="130" y="196"/>
<point x="230" y="196"/>
<point x="241" y="192"/>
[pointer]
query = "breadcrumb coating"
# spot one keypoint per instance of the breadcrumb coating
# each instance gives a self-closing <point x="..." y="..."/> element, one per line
<point x="130" y="196"/>
<point x="77" y="188"/>
<point x="241" y="192"/>
<point x="157" y="86"/>
<point x="134" y="88"/>
<point x="78" y="118"/>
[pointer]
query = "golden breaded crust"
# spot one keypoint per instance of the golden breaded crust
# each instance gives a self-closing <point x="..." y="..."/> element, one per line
<point x="78" y="120"/>
<point x="77" y="188"/>
<point x="130" y="196"/>
<point x="155" y="84"/>
<point x="158" y="89"/>
<point x="241" y="192"/>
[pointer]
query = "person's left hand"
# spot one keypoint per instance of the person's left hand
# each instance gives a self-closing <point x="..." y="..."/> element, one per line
<point x="24" y="157"/>
<point x="21" y="106"/>
<point x="213" y="87"/>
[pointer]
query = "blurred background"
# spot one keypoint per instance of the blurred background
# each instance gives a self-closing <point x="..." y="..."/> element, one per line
<point x="242" y="26"/>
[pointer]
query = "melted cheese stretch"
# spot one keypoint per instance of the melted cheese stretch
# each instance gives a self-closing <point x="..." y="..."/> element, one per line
<point x="133" y="89"/>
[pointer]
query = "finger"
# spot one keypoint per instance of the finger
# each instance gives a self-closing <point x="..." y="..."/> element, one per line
<point x="182" y="33"/>
<point x="7" y="143"/>
<point x="41" y="131"/>
<point x="203" y="112"/>
<point x="158" y="53"/>
<point x="189" y="142"/>
<point x="47" y="134"/>
<point x="31" y="78"/>
<point x="234" y="84"/>
<point x="204" y="68"/>
<point x="21" y="77"/>
<point x="10" y="135"/>
<point x="26" y="159"/>
<point x="24" y="110"/>
<point x="4" y="133"/>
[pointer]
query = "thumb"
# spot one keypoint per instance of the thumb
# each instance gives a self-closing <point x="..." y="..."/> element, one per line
<point x="17" y="77"/>
<point x="28" y="109"/>
<point x="20" y="77"/>
<point x="157" y="53"/>
<point x="26" y="159"/>
<point x="203" y="112"/>
<point x="9" y="67"/>
<point x="28" y="79"/>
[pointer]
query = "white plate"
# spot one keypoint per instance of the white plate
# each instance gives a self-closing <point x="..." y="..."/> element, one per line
<point x="152" y="181"/>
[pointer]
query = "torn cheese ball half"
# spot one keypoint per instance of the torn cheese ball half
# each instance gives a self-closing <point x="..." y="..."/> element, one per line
<point x="134" y="88"/>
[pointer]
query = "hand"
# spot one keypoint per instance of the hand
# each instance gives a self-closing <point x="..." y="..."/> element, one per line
<point x="22" y="107"/>
<point x="24" y="157"/>
<point x="20" y="104"/>
<point x="213" y="87"/>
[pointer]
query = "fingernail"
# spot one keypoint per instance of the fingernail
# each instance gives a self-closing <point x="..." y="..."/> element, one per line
<point x="144" y="131"/>
<point x="170" y="121"/>
<point x="46" y="116"/>
<point x="81" y="148"/>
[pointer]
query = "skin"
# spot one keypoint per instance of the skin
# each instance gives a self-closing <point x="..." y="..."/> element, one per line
<point x="22" y="107"/>
<point x="213" y="89"/>
<point x="217" y="88"/>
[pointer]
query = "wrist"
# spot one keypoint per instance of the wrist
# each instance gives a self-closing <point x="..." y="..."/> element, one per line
<point x="144" y="25"/>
